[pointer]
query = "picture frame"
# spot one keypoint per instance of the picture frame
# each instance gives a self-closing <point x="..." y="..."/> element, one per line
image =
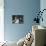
<point x="17" y="19"/>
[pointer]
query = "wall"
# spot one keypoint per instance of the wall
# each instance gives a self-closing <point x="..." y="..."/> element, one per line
<point x="1" y="20"/>
<point x="13" y="32"/>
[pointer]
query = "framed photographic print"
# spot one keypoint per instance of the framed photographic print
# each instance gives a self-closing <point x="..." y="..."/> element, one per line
<point x="17" y="19"/>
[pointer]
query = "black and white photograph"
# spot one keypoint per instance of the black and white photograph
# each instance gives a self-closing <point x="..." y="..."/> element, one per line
<point x="17" y="19"/>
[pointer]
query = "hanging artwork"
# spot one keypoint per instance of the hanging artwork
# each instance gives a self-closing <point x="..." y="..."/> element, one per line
<point x="17" y="19"/>
<point x="39" y="16"/>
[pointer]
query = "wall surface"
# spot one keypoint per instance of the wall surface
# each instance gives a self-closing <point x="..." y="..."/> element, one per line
<point x="28" y="8"/>
<point x="1" y="20"/>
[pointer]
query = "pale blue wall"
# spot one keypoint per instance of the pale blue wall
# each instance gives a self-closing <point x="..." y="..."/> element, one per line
<point x="14" y="32"/>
